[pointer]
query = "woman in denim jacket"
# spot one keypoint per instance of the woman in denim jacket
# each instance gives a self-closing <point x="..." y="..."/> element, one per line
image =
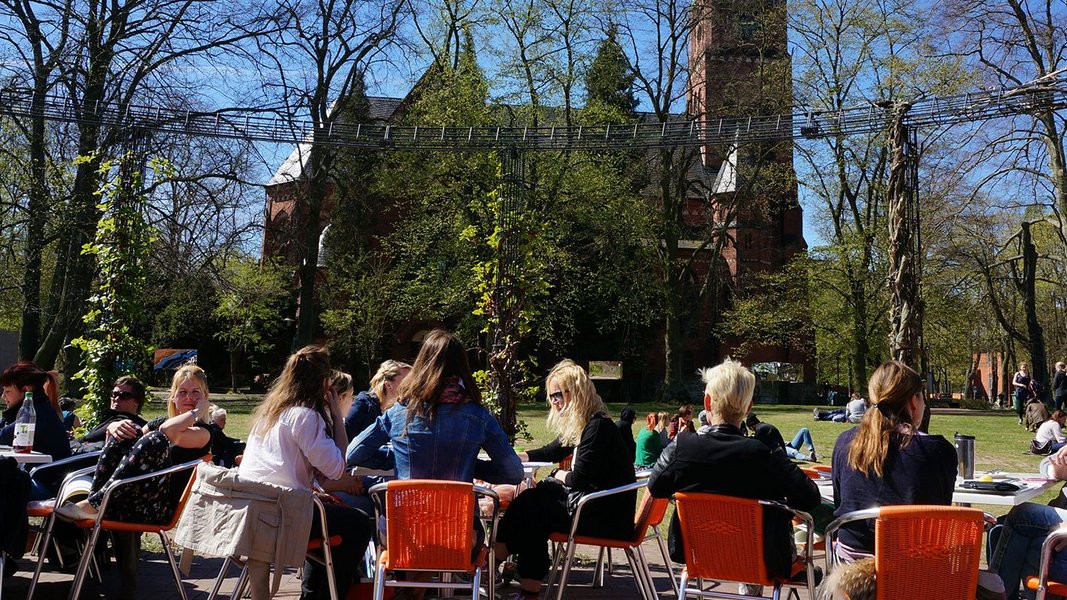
<point x="439" y="425"/>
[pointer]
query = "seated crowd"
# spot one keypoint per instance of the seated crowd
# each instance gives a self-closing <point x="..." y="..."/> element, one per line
<point x="428" y="421"/>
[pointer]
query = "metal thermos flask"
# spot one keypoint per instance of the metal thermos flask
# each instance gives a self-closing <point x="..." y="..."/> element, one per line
<point x="965" y="455"/>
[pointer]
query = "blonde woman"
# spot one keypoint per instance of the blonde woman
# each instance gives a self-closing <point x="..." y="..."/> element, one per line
<point x="601" y="461"/>
<point x="131" y="450"/>
<point x="887" y="460"/>
<point x="368" y="406"/>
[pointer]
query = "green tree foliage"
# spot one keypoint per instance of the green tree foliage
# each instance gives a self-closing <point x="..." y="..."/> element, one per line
<point x="774" y="310"/>
<point x="609" y="83"/>
<point x="116" y="320"/>
<point x="249" y="310"/>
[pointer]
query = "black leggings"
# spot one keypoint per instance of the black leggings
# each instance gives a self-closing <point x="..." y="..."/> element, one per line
<point x="531" y="517"/>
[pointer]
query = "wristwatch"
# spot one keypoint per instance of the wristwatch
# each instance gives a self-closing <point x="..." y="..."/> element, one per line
<point x="195" y="412"/>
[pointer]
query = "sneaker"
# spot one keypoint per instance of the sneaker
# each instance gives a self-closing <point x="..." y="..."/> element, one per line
<point x="73" y="512"/>
<point x="815" y="413"/>
<point x="813" y="457"/>
<point x="749" y="589"/>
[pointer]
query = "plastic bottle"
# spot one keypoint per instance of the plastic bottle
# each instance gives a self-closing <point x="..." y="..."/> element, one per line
<point x="25" y="424"/>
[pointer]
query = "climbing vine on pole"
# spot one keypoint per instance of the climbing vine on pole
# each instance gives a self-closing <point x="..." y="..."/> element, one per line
<point x="111" y="345"/>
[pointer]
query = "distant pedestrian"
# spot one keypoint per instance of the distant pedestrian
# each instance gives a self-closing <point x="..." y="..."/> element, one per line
<point x="1021" y="388"/>
<point x="1059" y="386"/>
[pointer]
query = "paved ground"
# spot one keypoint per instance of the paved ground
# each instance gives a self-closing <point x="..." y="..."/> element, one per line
<point x="155" y="581"/>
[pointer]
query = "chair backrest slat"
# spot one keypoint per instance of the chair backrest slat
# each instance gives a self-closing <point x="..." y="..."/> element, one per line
<point x="430" y="525"/>
<point x="723" y="537"/>
<point x="928" y="552"/>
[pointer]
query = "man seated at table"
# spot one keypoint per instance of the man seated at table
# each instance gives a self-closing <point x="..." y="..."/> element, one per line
<point x="127" y="399"/>
<point x="1017" y="554"/>
<point x="720" y="460"/>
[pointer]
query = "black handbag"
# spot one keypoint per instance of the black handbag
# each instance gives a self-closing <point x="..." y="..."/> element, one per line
<point x="1041" y="449"/>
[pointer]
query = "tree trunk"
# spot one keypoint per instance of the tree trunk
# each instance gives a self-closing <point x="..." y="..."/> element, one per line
<point x="318" y="173"/>
<point x="1035" y="343"/>
<point x="36" y="217"/>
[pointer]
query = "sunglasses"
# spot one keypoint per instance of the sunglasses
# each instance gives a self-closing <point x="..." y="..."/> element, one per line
<point x="122" y="395"/>
<point x="556" y="397"/>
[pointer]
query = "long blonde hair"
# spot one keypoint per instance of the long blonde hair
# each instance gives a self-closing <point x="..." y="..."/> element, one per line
<point x="183" y="374"/>
<point x="892" y="386"/>
<point x="585" y="402"/>
<point x="302" y="383"/>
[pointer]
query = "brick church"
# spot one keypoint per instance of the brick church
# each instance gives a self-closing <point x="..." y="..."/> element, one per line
<point x="737" y="50"/>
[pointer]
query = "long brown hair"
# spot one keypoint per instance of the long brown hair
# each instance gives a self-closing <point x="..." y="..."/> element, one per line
<point x="441" y="356"/>
<point x="892" y="386"/>
<point x="302" y="383"/>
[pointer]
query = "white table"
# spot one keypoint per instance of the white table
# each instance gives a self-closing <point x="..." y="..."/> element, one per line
<point x="1032" y="486"/>
<point x="29" y="458"/>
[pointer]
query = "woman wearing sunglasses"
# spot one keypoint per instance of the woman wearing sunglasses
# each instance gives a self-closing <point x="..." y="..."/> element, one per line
<point x="601" y="461"/>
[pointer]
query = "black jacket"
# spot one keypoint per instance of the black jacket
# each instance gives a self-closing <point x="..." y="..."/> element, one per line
<point x="720" y="460"/>
<point x="600" y="462"/>
<point x="99" y="433"/>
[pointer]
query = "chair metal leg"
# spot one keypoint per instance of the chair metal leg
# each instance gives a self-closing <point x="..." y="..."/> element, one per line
<point x="83" y="564"/>
<point x="646" y="571"/>
<point x="220" y="578"/>
<point x="163" y="539"/>
<point x="41" y="555"/>
<point x="327" y="556"/>
<point x="667" y="564"/>
<point x="683" y="584"/>
<point x="567" y="560"/>
<point x="553" y="572"/>
<point x="239" y="587"/>
<point x="639" y="579"/>
<point x="379" y="582"/>
<point x="598" y="571"/>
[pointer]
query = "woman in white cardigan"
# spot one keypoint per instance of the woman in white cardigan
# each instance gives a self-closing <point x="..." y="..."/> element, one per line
<point x="298" y="437"/>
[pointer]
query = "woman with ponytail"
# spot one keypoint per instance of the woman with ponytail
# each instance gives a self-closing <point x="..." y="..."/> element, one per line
<point x="886" y="460"/>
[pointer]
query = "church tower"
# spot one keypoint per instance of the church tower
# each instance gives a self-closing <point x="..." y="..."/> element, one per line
<point x="739" y="67"/>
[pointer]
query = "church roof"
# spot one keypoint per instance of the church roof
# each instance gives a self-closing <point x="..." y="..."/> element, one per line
<point x="381" y="109"/>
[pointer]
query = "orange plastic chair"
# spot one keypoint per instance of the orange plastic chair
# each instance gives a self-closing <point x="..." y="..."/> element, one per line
<point x="724" y="542"/>
<point x="323" y="545"/>
<point x="649" y="515"/>
<point x="429" y="527"/>
<point x="95" y="526"/>
<point x="921" y="551"/>
<point x="1041" y="583"/>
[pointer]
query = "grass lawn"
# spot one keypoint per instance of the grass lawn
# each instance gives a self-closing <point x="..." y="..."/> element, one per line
<point x="1000" y="442"/>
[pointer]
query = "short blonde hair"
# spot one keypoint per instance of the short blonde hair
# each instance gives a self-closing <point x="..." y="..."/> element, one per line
<point x="730" y="387"/>
<point x="386" y="372"/>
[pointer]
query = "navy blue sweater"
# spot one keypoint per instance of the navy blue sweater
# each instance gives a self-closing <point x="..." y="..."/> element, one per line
<point x="923" y="472"/>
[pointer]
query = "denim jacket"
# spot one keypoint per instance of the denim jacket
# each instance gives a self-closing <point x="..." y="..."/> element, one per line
<point x="445" y="447"/>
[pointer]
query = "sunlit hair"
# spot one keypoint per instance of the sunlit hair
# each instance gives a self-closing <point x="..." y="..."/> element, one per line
<point x="891" y="388"/>
<point x="25" y="374"/>
<point x="651" y="421"/>
<point x="684" y="410"/>
<point x="1060" y="366"/>
<point x="301" y="383"/>
<point x="730" y="386"/>
<point x="585" y="402"/>
<point x="183" y="374"/>
<point x="388" y="371"/>
<point x="340" y="382"/>
<point x="1058" y="415"/>
<point x="136" y="388"/>
<point x="663" y="420"/>
<point x="442" y="356"/>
